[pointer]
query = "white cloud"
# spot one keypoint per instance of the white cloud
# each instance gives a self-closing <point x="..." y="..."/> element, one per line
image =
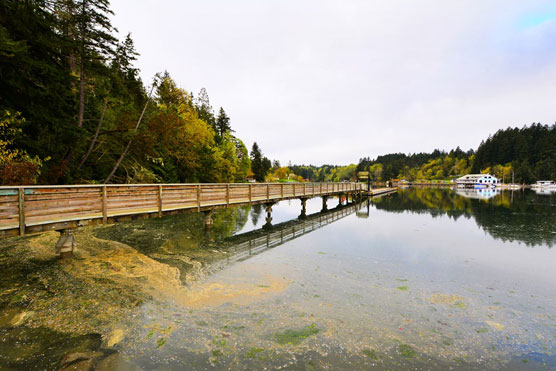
<point x="332" y="81"/>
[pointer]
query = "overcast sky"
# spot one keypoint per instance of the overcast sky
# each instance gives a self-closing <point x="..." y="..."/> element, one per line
<point x="333" y="81"/>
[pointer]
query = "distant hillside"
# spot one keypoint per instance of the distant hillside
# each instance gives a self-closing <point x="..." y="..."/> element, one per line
<point x="529" y="154"/>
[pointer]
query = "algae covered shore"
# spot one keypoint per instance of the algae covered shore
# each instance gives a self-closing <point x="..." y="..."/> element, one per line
<point x="398" y="289"/>
<point x="52" y="308"/>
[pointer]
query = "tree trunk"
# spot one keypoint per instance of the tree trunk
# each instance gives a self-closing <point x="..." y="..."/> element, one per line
<point x="93" y="141"/>
<point x="81" y="89"/>
<point x="130" y="139"/>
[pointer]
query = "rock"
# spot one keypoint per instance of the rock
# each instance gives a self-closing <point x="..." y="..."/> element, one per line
<point x="114" y="362"/>
<point x="116" y="336"/>
<point x="80" y="356"/>
<point x="83" y="365"/>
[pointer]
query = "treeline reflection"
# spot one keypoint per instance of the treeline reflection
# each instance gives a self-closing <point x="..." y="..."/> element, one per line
<point x="521" y="216"/>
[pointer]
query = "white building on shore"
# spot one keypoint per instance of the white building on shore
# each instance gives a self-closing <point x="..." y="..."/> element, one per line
<point x="477" y="181"/>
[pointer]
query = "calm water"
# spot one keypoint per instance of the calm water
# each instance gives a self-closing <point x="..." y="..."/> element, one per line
<point x="422" y="279"/>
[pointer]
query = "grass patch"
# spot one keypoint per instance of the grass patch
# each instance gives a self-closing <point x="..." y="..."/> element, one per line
<point x="482" y="330"/>
<point x="402" y="288"/>
<point x="295" y="337"/>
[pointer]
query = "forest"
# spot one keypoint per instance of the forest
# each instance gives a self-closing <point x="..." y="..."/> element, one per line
<point x="73" y="109"/>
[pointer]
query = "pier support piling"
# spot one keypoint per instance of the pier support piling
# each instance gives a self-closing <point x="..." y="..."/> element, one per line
<point x="66" y="244"/>
<point x="324" y="203"/>
<point x="303" y="208"/>
<point x="208" y="222"/>
<point x="268" y="219"/>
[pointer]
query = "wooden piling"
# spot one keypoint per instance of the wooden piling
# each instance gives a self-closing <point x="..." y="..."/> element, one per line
<point x="21" y="205"/>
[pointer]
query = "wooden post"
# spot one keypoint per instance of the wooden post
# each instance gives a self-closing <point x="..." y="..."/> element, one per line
<point x="228" y="194"/>
<point x="304" y="189"/>
<point x="250" y="193"/>
<point x="21" y="198"/>
<point x="104" y="205"/>
<point x="293" y="185"/>
<point x="282" y="190"/>
<point x="267" y="191"/>
<point x="321" y="188"/>
<point x="160" y="201"/>
<point x="198" y="197"/>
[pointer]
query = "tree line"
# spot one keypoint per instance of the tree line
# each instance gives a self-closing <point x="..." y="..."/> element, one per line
<point x="73" y="108"/>
<point x="524" y="155"/>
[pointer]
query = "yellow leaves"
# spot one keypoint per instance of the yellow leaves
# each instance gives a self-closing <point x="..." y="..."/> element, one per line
<point x="9" y="131"/>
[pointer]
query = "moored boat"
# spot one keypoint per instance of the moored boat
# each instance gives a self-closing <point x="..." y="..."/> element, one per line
<point x="544" y="184"/>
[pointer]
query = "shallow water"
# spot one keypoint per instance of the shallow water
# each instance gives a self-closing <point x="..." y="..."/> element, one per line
<point x="422" y="279"/>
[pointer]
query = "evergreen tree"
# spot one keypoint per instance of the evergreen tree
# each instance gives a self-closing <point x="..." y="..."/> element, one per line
<point x="223" y="123"/>
<point x="257" y="165"/>
<point x="204" y="109"/>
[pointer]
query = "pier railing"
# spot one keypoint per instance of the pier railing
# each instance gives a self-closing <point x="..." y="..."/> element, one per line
<point x="28" y="209"/>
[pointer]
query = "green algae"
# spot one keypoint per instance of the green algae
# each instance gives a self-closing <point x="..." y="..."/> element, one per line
<point x="255" y="353"/>
<point x="406" y="351"/>
<point x="402" y="288"/>
<point x="295" y="336"/>
<point x="459" y="305"/>
<point x="482" y="330"/>
<point x="370" y="353"/>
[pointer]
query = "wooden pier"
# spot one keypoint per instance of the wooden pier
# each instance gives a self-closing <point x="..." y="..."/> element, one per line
<point x="32" y="209"/>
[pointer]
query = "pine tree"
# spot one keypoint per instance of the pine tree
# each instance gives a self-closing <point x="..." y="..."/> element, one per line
<point x="222" y="123"/>
<point x="257" y="163"/>
<point x="204" y="109"/>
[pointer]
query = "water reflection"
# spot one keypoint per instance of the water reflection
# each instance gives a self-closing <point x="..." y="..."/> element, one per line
<point x="243" y="246"/>
<point x="523" y="216"/>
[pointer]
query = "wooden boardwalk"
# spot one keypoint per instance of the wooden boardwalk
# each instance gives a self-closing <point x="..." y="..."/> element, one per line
<point x="30" y="209"/>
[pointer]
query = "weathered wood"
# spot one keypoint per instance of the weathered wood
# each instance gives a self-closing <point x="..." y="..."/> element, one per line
<point x="34" y="208"/>
<point x="21" y="202"/>
<point x="199" y="197"/>
<point x="159" y="201"/>
<point x="104" y="206"/>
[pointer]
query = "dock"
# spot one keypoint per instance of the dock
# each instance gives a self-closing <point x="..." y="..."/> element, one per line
<point x="34" y="209"/>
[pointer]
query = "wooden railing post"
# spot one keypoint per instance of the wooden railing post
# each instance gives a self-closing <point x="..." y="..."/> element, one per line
<point x="293" y="185"/>
<point x="198" y="197"/>
<point x="160" y="201"/>
<point x="250" y="193"/>
<point x="21" y="202"/>
<point x="282" y="190"/>
<point x="228" y="194"/>
<point x="321" y="188"/>
<point x="267" y="191"/>
<point x="304" y="189"/>
<point x="104" y="205"/>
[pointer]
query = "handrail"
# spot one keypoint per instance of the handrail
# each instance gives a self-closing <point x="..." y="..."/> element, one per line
<point x="28" y="209"/>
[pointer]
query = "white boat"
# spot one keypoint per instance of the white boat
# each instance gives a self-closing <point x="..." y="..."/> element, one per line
<point x="544" y="185"/>
<point x="511" y="186"/>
